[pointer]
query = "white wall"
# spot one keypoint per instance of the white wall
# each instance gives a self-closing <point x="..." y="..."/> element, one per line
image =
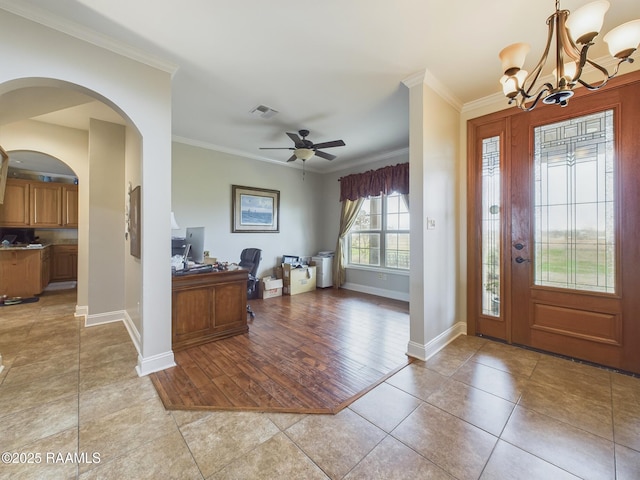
<point x="201" y="197"/>
<point x="39" y="56"/>
<point x="132" y="265"/>
<point x="434" y="159"/>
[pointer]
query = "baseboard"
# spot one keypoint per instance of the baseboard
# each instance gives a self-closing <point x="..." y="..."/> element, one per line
<point x="133" y="332"/>
<point x="82" y="311"/>
<point x="154" y="363"/>
<point x="424" y="352"/>
<point x="102" y="318"/>
<point x="380" y="292"/>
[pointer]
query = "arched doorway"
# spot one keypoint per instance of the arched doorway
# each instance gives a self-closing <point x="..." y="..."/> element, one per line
<point x="102" y="149"/>
<point x="47" y="216"/>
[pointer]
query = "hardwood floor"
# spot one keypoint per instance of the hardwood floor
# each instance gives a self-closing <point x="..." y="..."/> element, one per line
<point x="310" y="353"/>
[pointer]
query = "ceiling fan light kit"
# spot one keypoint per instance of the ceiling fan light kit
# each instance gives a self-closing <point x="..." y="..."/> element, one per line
<point x="303" y="153"/>
<point x="574" y="35"/>
<point x="304" y="149"/>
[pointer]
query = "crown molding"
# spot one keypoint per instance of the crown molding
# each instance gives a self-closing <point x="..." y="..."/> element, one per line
<point x="370" y="159"/>
<point x="298" y="165"/>
<point x="495" y="101"/>
<point x="436" y="85"/>
<point x="85" y="34"/>
<point x="240" y="153"/>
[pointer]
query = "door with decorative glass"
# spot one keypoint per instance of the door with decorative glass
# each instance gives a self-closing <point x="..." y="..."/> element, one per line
<point x="557" y="214"/>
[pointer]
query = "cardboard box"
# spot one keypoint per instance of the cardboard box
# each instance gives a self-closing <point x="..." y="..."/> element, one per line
<point x="298" y="280"/>
<point x="270" y="287"/>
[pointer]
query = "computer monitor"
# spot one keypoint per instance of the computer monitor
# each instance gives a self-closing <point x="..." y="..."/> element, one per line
<point x="195" y="238"/>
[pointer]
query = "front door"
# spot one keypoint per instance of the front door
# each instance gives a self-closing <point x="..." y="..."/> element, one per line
<point x="558" y="217"/>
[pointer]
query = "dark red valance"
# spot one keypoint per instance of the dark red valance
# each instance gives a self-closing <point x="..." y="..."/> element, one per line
<point x="375" y="182"/>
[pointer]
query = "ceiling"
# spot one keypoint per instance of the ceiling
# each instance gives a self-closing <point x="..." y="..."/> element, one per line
<point x="334" y="67"/>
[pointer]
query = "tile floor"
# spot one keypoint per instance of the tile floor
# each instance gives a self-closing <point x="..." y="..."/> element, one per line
<point x="478" y="409"/>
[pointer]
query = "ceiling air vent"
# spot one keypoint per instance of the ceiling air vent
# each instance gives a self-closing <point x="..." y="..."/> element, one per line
<point x="263" y="111"/>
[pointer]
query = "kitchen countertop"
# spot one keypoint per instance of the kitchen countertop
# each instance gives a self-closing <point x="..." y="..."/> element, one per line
<point x="20" y="246"/>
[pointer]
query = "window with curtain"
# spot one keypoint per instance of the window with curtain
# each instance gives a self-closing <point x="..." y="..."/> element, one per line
<point x="379" y="236"/>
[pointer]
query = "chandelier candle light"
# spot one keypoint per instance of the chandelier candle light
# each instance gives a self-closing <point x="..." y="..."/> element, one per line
<point x="574" y="34"/>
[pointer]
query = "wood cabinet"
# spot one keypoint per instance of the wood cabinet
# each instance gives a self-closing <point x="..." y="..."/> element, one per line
<point x="45" y="267"/>
<point x="207" y="307"/>
<point x="24" y="272"/>
<point x="64" y="263"/>
<point x="45" y="204"/>
<point x="69" y="206"/>
<point x="14" y="212"/>
<point x="39" y="204"/>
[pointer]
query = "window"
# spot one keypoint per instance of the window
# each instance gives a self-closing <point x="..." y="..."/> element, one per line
<point x="380" y="234"/>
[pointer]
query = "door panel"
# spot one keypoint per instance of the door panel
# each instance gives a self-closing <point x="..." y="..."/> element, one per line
<point x="565" y="212"/>
<point x="570" y="180"/>
<point x="488" y="173"/>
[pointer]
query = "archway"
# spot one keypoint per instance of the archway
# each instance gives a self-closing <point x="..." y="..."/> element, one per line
<point x="138" y="89"/>
<point x="103" y="149"/>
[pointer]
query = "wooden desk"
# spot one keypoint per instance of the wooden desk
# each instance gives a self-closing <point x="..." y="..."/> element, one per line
<point x="207" y="307"/>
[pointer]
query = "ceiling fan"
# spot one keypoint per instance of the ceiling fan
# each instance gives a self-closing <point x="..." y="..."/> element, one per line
<point x="304" y="149"/>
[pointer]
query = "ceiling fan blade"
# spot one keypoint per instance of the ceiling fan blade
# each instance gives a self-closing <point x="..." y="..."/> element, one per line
<point x="276" y="148"/>
<point x="326" y="156"/>
<point x="292" y="158"/>
<point x="335" y="143"/>
<point x="297" y="141"/>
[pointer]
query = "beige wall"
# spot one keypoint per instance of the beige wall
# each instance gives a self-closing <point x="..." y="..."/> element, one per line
<point x="106" y="219"/>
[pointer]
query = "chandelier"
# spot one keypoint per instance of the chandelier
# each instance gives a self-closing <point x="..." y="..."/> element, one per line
<point x="574" y="35"/>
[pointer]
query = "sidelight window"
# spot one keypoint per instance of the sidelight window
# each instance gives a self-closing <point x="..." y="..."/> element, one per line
<point x="491" y="226"/>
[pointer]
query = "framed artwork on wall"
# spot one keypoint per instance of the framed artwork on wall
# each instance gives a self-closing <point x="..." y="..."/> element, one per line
<point x="134" y="222"/>
<point x="254" y="210"/>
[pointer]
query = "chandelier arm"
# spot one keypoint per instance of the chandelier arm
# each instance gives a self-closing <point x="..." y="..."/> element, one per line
<point x="524" y="96"/>
<point x="568" y="45"/>
<point x="607" y="75"/>
<point x="537" y="70"/>
<point x="581" y="63"/>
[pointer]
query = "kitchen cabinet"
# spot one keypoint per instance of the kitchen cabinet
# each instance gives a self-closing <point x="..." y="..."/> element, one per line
<point x="24" y="272"/>
<point x="45" y="204"/>
<point x="69" y="206"/>
<point x="64" y="263"/>
<point x="14" y="212"/>
<point x="45" y="267"/>
<point x="28" y="203"/>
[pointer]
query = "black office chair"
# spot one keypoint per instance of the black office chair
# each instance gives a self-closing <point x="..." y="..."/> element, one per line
<point x="250" y="260"/>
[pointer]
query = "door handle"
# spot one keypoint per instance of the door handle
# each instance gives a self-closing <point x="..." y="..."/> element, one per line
<point x="522" y="260"/>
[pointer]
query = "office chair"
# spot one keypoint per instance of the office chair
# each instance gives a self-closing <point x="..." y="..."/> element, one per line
<point x="250" y="260"/>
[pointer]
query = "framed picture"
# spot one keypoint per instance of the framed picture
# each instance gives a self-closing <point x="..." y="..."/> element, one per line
<point x="4" y="172"/>
<point x="134" y="222"/>
<point x="254" y="210"/>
